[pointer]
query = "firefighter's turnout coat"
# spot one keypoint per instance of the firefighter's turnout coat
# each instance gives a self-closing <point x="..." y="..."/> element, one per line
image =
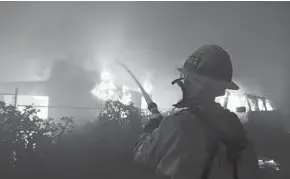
<point x="198" y="145"/>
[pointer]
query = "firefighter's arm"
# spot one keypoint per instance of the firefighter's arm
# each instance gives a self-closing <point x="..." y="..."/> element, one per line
<point x="146" y="150"/>
<point x="237" y="134"/>
<point x="161" y="150"/>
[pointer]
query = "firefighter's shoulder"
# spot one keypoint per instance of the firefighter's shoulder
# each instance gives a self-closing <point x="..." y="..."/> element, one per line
<point x="179" y="114"/>
<point x="230" y="115"/>
<point x="224" y="113"/>
<point x="176" y="118"/>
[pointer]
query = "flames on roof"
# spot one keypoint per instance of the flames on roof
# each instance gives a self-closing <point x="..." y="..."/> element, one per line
<point x="108" y="90"/>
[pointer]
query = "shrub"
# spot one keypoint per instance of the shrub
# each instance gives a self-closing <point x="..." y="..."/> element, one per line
<point x="25" y="138"/>
<point x="43" y="148"/>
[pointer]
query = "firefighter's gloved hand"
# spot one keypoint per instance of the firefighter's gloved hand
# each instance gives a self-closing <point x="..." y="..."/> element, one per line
<point x="152" y="124"/>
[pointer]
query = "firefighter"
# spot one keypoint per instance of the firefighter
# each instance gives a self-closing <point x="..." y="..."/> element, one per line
<point x="202" y="140"/>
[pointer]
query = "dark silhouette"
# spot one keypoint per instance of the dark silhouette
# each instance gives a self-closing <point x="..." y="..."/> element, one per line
<point x="91" y="151"/>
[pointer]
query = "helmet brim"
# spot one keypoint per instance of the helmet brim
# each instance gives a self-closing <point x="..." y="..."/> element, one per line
<point x="228" y="85"/>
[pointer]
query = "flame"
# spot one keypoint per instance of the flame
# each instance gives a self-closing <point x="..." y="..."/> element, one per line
<point x="239" y="99"/>
<point x="269" y="106"/>
<point x="148" y="87"/>
<point x="268" y="163"/>
<point x="126" y="97"/>
<point x="234" y="101"/>
<point x="108" y="90"/>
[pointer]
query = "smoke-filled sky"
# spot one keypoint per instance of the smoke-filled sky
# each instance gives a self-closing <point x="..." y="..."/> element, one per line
<point x="152" y="38"/>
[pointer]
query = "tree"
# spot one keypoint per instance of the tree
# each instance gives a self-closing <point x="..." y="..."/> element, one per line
<point x="25" y="138"/>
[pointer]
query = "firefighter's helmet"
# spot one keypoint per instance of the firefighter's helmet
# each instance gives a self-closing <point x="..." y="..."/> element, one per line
<point x="211" y="61"/>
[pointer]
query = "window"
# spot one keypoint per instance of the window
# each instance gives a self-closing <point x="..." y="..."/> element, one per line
<point x="40" y="103"/>
<point x="234" y="101"/>
<point x="269" y="105"/>
<point x="252" y="104"/>
<point x="261" y="105"/>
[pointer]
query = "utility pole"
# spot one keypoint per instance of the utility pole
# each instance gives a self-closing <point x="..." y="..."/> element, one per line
<point x="15" y="97"/>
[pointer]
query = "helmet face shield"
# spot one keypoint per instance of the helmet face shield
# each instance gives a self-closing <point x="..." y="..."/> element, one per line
<point x="183" y="75"/>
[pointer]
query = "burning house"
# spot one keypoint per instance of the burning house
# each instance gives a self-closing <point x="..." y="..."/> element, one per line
<point x="65" y="93"/>
<point x="244" y="104"/>
<point x="108" y="90"/>
<point x="68" y="91"/>
<point x="136" y="99"/>
<point x="232" y="100"/>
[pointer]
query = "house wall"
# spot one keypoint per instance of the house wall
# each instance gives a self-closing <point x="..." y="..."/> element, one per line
<point x="136" y="98"/>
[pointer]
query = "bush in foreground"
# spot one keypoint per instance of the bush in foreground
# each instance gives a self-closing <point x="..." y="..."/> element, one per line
<point x="36" y="148"/>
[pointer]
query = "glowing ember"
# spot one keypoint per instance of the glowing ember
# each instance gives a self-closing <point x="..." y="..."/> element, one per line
<point x="268" y="163"/>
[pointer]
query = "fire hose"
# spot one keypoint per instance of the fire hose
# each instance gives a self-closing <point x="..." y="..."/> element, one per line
<point x="152" y="107"/>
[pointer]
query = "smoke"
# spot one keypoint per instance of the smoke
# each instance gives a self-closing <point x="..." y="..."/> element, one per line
<point x="250" y="86"/>
<point x="151" y="38"/>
